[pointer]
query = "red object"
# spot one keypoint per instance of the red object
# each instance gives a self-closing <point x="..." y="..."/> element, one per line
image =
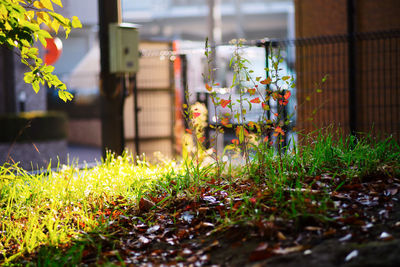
<point x="53" y="50"/>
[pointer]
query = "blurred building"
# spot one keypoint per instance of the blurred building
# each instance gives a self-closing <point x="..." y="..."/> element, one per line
<point x="161" y="21"/>
<point x="187" y="19"/>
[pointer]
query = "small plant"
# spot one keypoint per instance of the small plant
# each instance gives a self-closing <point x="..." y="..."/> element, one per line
<point x="271" y="93"/>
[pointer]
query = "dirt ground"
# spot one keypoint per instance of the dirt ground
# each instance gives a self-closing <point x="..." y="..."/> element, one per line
<point x="368" y="236"/>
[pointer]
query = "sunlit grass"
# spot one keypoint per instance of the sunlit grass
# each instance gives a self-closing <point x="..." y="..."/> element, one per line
<point x="55" y="208"/>
<point x="60" y="207"/>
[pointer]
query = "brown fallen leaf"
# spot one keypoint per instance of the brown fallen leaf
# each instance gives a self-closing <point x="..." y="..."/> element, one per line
<point x="203" y="209"/>
<point x="187" y="252"/>
<point x="145" y="204"/>
<point x="281" y="236"/>
<point x="262" y="252"/>
<point x="330" y="231"/>
<point x="283" y="251"/>
<point x="204" y="225"/>
<point x="392" y="191"/>
<point x="144" y="240"/>
<point x="110" y="253"/>
<point x="313" y="228"/>
<point x="385" y="236"/>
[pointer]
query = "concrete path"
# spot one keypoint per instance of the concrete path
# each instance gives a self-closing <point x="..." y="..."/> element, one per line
<point x="84" y="154"/>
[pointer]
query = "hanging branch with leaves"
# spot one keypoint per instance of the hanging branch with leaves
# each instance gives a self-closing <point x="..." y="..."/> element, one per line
<point x="22" y="24"/>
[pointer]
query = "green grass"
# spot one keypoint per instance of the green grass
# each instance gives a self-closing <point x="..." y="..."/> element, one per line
<point x="54" y="209"/>
<point x="44" y="213"/>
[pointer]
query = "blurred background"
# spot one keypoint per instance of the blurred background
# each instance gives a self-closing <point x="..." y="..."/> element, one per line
<point x="356" y="43"/>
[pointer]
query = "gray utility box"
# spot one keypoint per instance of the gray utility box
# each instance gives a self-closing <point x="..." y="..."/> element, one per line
<point x="124" y="48"/>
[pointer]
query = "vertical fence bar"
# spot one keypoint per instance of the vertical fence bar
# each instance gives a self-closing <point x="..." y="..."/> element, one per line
<point x="267" y="45"/>
<point x="352" y="66"/>
<point x="136" y="114"/>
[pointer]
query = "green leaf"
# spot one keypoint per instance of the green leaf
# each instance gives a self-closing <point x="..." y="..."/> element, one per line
<point x="76" y="23"/>
<point x="48" y="68"/>
<point x="241" y="135"/>
<point x="230" y="147"/>
<point x="47" y="4"/>
<point x="57" y="2"/>
<point x="28" y="77"/>
<point x="20" y="28"/>
<point x="65" y="95"/>
<point x="36" y="86"/>
<point x="42" y="40"/>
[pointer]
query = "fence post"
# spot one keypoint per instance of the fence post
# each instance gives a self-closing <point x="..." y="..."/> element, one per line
<point x="111" y="91"/>
<point x="266" y="43"/>
<point x="352" y="71"/>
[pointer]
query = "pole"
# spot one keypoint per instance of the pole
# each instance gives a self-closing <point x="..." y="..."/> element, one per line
<point x="214" y="31"/>
<point x="352" y="72"/>
<point x="7" y="81"/>
<point x="111" y="88"/>
<point x="136" y="114"/>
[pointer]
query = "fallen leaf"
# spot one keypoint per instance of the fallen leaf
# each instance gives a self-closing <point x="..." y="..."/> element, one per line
<point x="313" y="228"/>
<point x="351" y="255"/>
<point x="385" y="236"/>
<point x="203" y="225"/>
<point x="331" y="231"/>
<point x="283" y="251"/>
<point x="281" y="236"/>
<point x="392" y="191"/>
<point x="262" y="252"/>
<point x="144" y="240"/>
<point x="307" y="252"/>
<point x="145" y="204"/>
<point x="203" y="209"/>
<point x="187" y="252"/>
<point x="110" y="253"/>
<point x="210" y="199"/>
<point x="153" y="229"/>
<point x="187" y="216"/>
<point x="346" y="238"/>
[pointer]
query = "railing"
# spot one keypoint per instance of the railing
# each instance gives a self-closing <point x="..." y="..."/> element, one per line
<point x="374" y="104"/>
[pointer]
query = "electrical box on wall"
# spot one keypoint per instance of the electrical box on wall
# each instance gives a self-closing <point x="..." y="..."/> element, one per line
<point x="124" y="48"/>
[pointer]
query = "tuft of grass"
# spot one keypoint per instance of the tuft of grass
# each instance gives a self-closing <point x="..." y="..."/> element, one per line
<point x="54" y="208"/>
<point x="60" y="211"/>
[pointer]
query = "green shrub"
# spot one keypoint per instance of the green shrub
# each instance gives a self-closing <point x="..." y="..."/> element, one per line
<point x="33" y="126"/>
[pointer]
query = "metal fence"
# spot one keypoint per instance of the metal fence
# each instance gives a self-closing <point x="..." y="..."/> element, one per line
<point x="362" y="89"/>
<point x="361" y="98"/>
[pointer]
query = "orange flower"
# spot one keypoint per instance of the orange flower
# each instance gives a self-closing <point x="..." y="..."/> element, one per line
<point x="235" y="141"/>
<point x="255" y="100"/>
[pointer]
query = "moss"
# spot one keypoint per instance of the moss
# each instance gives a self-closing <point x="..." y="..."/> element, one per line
<point x="33" y="126"/>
